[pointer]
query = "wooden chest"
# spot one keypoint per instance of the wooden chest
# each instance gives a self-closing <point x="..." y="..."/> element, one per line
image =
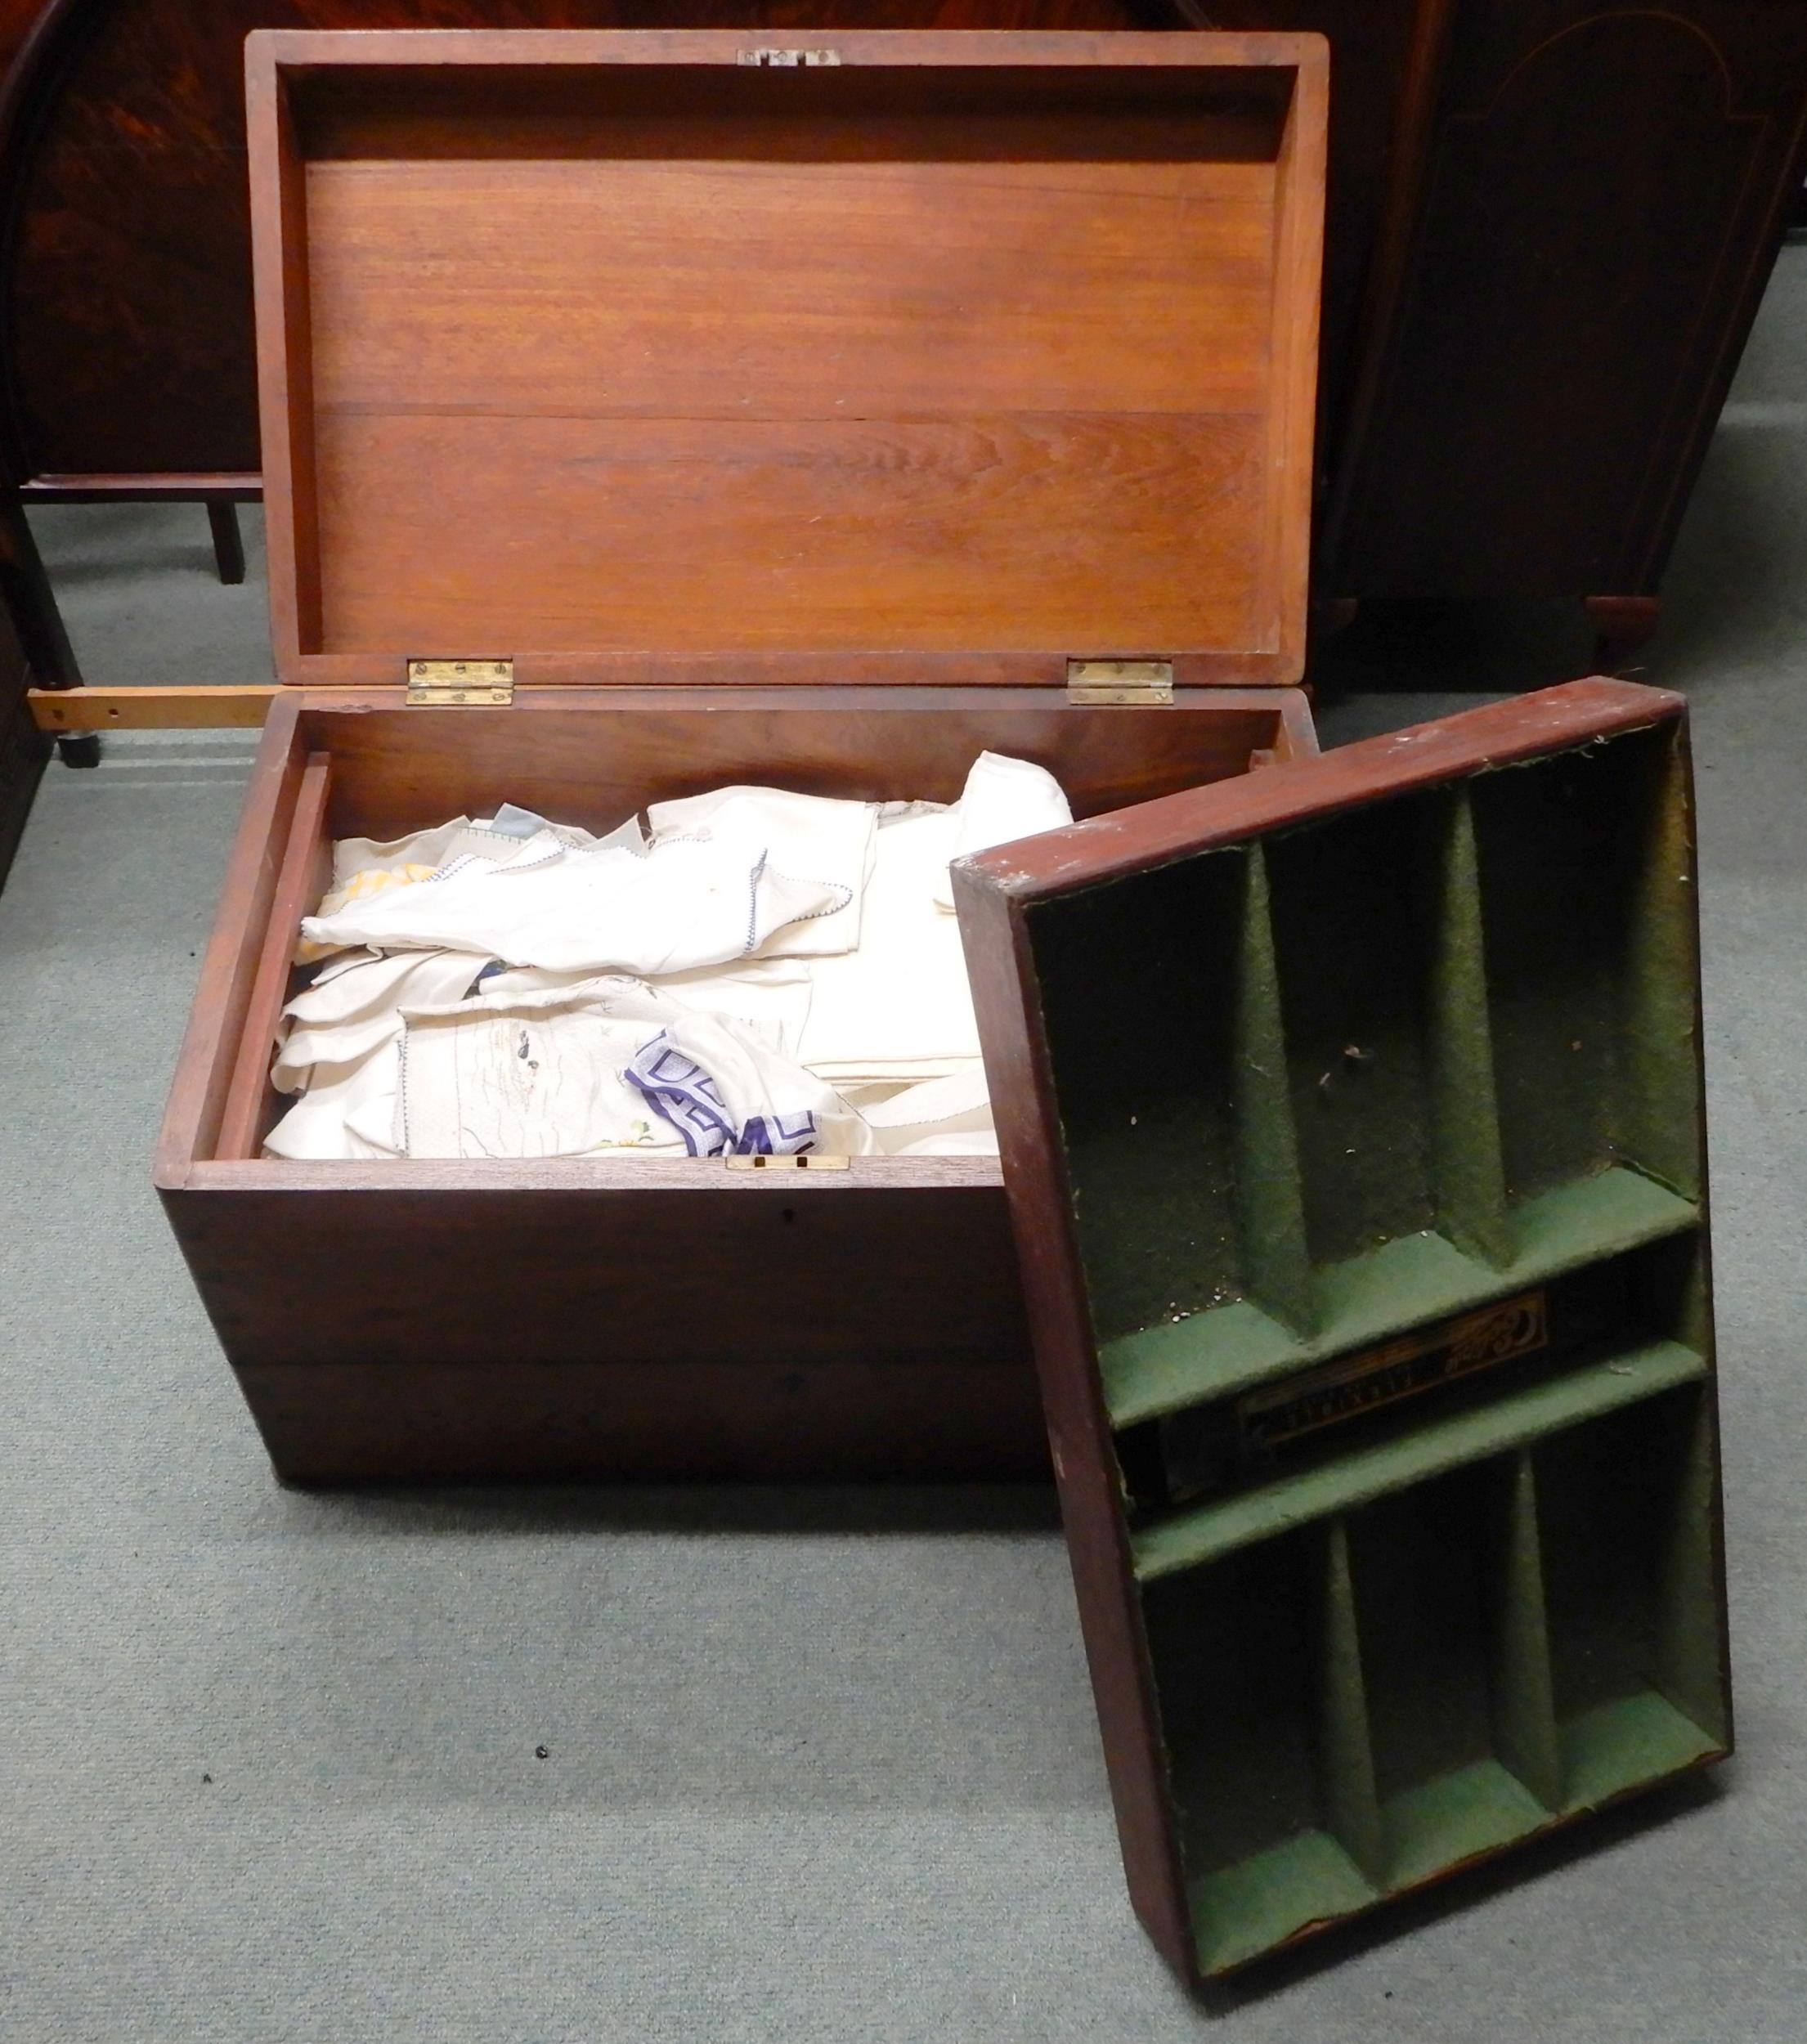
<point x="815" y="417"/>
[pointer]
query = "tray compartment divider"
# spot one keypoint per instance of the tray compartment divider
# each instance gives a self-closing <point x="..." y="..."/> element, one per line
<point x="1524" y="1704"/>
<point x="1690" y="1670"/>
<point x="1201" y="1533"/>
<point x="1345" y="1746"/>
<point x="1469" y="1176"/>
<point x="1270" y="1192"/>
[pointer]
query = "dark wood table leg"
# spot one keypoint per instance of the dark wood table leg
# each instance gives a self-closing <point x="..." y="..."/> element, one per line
<point x="228" y="541"/>
<point x="26" y="605"/>
<point x="48" y="658"/>
<point x="24" y="748"/>
<point x="29" y="603"/>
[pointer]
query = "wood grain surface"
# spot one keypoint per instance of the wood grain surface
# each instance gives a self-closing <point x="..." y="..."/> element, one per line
<point x="594" y="757"/>
<point x="301" y="879"/>
<point x="636" y="1316"/>
<point x="1522" y="726"/>
<point x="678" y="314"/>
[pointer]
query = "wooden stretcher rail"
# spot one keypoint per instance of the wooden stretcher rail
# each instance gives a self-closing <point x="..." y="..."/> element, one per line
<point x="222" y="486"/>
<point x="196" y="708"/>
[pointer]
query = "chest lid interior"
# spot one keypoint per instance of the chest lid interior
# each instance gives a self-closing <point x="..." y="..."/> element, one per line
<point x="1351" y="1119"/>
<point x="668" y="356"/>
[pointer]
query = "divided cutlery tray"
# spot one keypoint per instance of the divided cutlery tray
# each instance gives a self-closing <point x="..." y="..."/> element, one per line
<point x="1373" y="1115"/>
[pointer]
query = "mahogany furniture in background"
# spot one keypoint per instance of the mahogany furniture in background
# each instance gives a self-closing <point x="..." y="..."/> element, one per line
<point x="1584" y="205"/>
<point x="1550" y="223"/>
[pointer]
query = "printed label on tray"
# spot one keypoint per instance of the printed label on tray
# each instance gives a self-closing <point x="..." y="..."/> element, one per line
<point x="1397" y="1369"/>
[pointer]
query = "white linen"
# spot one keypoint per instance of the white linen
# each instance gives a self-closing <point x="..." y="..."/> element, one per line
<point x="685" y="903"/>
<point x="1003" y="800"/>
<point x="337" y="1050"/>
<point x="808" y="836"/>
<point x="530" y="1075"/>
<point x="947" y="1116"/>
<point x="898" y="1006"/>
<point x="545" y="1075"/>
<point x="785" y="967"/>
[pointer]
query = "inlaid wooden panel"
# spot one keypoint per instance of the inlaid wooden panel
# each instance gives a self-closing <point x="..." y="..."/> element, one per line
<point x="1599" y="210"/>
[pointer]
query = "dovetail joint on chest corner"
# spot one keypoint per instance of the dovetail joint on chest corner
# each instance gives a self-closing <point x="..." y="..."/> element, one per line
<point x="447" y="683"/>
<point x="770" y="58"/>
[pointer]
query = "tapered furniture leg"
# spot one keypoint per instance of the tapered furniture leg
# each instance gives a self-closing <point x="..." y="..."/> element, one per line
<point x="228" y="541"/>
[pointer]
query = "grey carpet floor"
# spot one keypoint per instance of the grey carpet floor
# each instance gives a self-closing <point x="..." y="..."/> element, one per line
<point x="818" y="1766"/>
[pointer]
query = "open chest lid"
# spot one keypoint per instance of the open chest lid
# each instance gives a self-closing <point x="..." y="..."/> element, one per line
<point x="669" y="356"/>
<point x="1350" y="1121"/>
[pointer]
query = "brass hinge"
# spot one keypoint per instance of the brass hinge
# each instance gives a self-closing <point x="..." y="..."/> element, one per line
<point x="1131" y="681"/>
<point x="786" y="59"/>
<point x="478" y="682"/>
<point x="801" y="1160"/>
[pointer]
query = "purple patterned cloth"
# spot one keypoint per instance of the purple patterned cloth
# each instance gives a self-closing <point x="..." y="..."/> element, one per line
<point x="678" y="1088"/>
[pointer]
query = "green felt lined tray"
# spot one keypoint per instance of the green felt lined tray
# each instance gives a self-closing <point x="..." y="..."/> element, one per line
<point x="1417" y="1277"/>
<point x="1353" y="1130"/>
<point x="1448" y="1669"/>
<point x="1205" y="1533"/>
<point x="1404" y="1060"/>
